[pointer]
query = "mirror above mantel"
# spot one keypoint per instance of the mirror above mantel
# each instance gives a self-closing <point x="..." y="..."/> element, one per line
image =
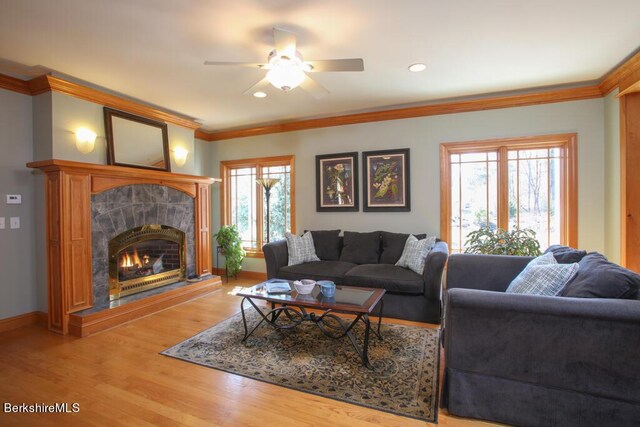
<point x="136" y="141"/>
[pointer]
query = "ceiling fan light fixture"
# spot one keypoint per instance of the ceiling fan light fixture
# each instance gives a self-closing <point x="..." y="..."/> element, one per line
<point x="416" y="68"/>
<point x="285" y="74"/>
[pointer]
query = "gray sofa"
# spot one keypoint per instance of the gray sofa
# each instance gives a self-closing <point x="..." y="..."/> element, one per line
<point x="367" y="260"/>
<point x="535" y="360"/>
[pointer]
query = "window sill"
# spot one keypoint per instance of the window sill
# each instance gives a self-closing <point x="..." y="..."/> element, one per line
<point x="254" y="254"/>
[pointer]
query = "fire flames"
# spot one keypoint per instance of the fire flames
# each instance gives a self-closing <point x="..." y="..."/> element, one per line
<point x="127" y="260"/>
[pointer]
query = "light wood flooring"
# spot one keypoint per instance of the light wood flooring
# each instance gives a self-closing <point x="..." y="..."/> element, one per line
<point x="118" y="377"/>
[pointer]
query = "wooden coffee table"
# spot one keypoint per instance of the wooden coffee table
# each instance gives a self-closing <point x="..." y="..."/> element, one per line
<point x="356" y="301"/>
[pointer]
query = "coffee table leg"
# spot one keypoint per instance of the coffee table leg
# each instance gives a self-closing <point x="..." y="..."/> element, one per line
<point x="380" y="318"/>
<point x="365" y="348"/>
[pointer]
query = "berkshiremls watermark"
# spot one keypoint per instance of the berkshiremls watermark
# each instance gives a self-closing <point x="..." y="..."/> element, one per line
<point x="54" y="408"/>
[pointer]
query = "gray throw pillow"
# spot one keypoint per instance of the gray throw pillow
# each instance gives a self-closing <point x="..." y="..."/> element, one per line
<point x="543" y="276"/>
<point x="415" y="253"/>
<point x="301" y="248"/>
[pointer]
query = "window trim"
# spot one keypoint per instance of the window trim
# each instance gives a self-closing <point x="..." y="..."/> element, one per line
<point x="568" y="191"/>
<point x="258" y="163"/>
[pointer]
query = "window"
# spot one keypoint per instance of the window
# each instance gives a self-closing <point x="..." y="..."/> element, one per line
<point x="510" y="183"/>
<point x="244" y="204"/>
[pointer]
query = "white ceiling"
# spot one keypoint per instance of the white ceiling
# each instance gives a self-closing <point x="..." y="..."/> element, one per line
<point x="154" y="50"/>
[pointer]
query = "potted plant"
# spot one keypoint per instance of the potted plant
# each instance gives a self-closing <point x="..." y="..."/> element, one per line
<point x="501" y="242"/>
<point x="229" y="240"/>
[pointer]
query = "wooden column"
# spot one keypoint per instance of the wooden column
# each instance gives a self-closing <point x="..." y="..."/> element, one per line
<point x="630" y="179"/>
<point x="68" y="246"/>
<point x="203" y="233"/>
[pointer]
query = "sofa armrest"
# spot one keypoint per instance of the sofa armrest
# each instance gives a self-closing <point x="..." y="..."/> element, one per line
<point x="433" y="269"/>
<point x="579" y="344"/>
<point x="484" y="272"/>
<point x="276" y="256"/>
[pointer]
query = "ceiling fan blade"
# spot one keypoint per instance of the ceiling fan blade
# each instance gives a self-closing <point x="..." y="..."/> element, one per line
<point x="239" y="64"/>
<point x="353" y="64"/>
<point x="256" y="87"/>
<point x="285" y="42"/>
<point x="314" y="88"/>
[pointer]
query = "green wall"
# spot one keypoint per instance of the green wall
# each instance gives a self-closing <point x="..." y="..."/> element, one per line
<point x="423" y="136"/>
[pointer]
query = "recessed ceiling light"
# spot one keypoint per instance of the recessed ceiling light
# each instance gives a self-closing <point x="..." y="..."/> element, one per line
<point x="416" y="68"/>
<point x="260" y="95"/>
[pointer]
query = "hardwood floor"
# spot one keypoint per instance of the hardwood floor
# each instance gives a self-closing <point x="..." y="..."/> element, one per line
<point x="118" y="377"/>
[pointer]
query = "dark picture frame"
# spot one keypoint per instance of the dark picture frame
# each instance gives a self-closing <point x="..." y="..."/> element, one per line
<point x="135" y="141"/>
<point x="337" y="182"/>
<point x="386" y="181"/>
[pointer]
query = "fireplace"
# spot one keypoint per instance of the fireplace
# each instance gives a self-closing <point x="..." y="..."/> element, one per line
<point x="144" y="258"/>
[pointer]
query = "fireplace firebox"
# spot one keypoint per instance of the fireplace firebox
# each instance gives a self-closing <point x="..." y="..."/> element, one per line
<point x="144" y="258"/>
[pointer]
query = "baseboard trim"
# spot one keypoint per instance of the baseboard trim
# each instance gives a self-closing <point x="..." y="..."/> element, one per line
<point x="26" y="319"/>
<point x="253" y="275"/>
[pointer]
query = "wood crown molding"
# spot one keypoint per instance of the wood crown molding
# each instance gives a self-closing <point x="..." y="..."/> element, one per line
<point x="571" y="94"/>
<point x="13" y="84"/>
<point x="619" y="74"/>
<point x="48" y="83"/>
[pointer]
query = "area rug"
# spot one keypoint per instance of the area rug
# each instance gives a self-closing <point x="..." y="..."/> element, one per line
<point x="403" y="381"/>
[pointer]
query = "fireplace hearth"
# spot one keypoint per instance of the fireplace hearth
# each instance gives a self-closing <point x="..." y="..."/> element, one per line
<point x="144" y="258"/>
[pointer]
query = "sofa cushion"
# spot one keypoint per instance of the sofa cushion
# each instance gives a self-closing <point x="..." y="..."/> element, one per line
<point x="327" y="244"/>
<point x="599" y="278"/>
<point x="319" y="270"/>
<point x="390" y="277"/>
<point x="361" y="248"/>
<point x="543" y="276"/>
<point x="301" y="248"/>
<point x="393" y="245"/>
<point x="415" y="253"/>
<point x="565" y="254"/>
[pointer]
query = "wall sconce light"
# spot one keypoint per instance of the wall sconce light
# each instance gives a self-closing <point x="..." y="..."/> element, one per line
<point x="180" y="155"/>
<point x="85" y="140"/>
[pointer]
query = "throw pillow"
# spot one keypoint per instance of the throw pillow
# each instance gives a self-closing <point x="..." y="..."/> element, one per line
<point x="301" y="248"/>
<point x="543" y="276"/>
<point x="327" y="244"/>
<point x="361" y="248"/>
<point x="415" y="253"/>
<point x="599" y="278"/>
<point x="565" y="254"/>
<point x="393" y="245"/>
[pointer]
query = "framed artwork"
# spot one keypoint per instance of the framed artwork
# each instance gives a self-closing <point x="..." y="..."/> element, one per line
<point x="386" y="181"/>
<point x="337" y="182"/>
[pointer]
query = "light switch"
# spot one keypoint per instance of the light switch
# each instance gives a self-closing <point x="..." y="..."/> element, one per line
<point x="14" y="199"/>
<point x="14" y="221"/>
<point x="1" y="223"/>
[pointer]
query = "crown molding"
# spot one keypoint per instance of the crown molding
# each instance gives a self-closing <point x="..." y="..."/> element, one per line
<point x="489" y="103"/>
<point x="49" y="83"/>
<point x="619" y="74"/>
<point x="14" y="85"/>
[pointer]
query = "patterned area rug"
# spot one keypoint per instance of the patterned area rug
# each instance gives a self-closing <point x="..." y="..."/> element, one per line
<point x="403" y="381"/>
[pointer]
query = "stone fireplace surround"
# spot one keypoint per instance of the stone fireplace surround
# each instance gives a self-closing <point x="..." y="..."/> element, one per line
<point x="122" y="208"/>
<point x="87" y="203"/>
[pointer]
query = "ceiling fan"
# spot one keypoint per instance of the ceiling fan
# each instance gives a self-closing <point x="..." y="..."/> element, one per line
<point x="288" y="70"/>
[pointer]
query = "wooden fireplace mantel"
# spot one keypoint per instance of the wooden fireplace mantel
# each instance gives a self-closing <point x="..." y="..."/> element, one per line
<point x="68" y="189"/>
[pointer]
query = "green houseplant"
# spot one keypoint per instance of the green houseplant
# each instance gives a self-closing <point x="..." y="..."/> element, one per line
<point x="229" y="240"/>
<point x="502" y="242"/>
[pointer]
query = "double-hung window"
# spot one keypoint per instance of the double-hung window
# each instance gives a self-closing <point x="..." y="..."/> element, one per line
<point x="244" y="203"/>
<point x="510" y="183"/>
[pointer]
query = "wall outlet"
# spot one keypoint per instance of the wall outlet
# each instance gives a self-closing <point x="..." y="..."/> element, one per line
<point x="14" y="222"/>
<point x="1" y="223"/>
<point x="14" y="199"/>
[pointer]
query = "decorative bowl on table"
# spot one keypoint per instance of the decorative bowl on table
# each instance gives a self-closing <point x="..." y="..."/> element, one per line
<point x="327" y="287"/>
<point x="304" y="286"/>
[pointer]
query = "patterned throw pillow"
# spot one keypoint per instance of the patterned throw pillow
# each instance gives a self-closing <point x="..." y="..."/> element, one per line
<point x="543" y="276"/>
<point x="415" y="253"/>
<point x="301" y="248"/>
